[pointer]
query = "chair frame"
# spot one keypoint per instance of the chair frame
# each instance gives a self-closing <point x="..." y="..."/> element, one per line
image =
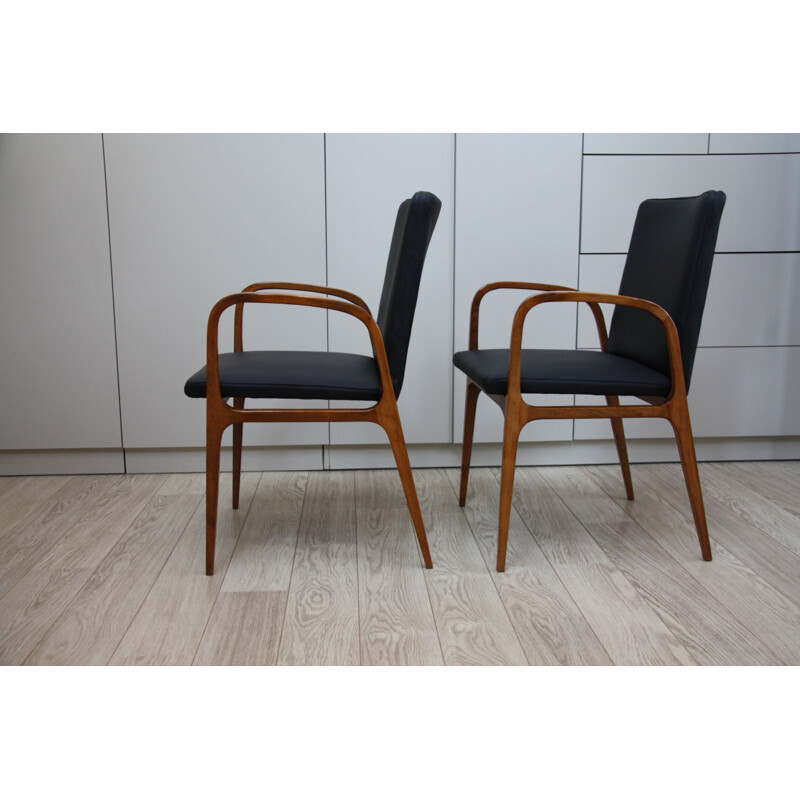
<point x="518" y="413"/>
<point x="219" y="415"/>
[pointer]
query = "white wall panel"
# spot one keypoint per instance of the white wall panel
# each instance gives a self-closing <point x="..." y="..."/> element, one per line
<point x="746" y="391"/>
<point x="752" y="299"/>
<point x="517" y="219"/>
<point x="755" y="143"/>
<point x="368" y="176"/>
<point x="643" y="143"/>
<point x="193" y="218"/>
<point x="762" y="212"/>
<point x="58" y="384"/>
<point x="735" y="391"/>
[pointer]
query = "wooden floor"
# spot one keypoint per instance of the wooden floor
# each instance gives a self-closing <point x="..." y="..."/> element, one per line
<point x="323" y="568"/>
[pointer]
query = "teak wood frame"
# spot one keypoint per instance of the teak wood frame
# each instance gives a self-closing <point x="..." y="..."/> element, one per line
<point x="219" y="415"/>
<point x="518" y="413"/>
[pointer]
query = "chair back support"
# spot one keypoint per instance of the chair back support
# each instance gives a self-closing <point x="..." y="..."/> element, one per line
<point x="669" y="263"/>
<point x="416" y="219"/>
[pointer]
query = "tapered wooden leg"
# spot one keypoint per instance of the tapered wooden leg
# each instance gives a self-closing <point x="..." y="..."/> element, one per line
<point x="512" y="428"/>
<point x="679" y="417"/>
<point x="213" y="441"/>
<point x="622" y="448"/>
<point x="469" y="427"/>
<point x="390" y="421"/>
<point x="238" y="402"/>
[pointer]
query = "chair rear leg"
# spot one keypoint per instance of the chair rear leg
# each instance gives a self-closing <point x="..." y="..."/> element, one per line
<point x="213" y="442"/>
<point x="622" y="448"/>
<point x="238" y="402"/>
<point x="511" y="431"/>
<point x="679" y="417"/>
<point x="469" y="427"/>
<point x="389" y="419"/>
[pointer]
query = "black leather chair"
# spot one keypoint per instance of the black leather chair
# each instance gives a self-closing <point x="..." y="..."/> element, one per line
<point x="322" y="376"/>
<point x="649" y="352"/>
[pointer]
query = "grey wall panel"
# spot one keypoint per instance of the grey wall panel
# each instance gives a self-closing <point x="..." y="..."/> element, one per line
<point x="735" y="391"/>
<point x="643" y="143"/>
<point x="762" y="211"/>
<point x="193" y="218"/>
<point x="752" y="299"/>
<point x="755" y="143"/>
<point x="517" y="219"/>
<point x="368" y="176"/>
<point x="59" y="377"/>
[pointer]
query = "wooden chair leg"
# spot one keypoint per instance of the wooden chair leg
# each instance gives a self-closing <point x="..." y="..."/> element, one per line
<point x="238" y="402"/>
<point x="679" y="417"/>
<point x="213" y="442"/>
<point x="389" y="420"/>
<point x="466" y="448"/>
<point x="513" y="426"/>
<point x="622" y="448"/>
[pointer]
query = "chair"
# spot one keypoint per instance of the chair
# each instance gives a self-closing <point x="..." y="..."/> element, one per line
<point x="649" y="352"/>
<point x="322" y="376"/>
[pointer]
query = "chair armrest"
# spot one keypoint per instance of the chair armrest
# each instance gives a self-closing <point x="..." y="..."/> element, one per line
<point x="238" y="300"/>
<point x="238" y="344"/>
<point x="542" y="287"/>
<point x="594" y="298"/>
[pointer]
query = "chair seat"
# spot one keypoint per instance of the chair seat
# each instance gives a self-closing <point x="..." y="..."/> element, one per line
<point x="563" y="372"/>
<point x="293" y="374"/>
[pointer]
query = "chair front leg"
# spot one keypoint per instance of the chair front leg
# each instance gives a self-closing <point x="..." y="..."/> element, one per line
<point x="238" y="402"/>
<point x="214" y="428"/>
<point x="473" y="391"/>
<point x="388" y="417"/>
<point x="622" y="448"/>
<point x="681" y="424"/>
<point x="514" y="422"/>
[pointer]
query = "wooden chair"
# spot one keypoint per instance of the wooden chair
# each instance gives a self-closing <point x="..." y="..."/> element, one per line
<point x="649" y="352"/>
<point x="262" y="374"/>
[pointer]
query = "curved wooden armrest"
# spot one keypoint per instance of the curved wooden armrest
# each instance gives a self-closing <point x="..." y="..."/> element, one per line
<point x="594" y="298"/>
<point x="238" y="344"/>
<point x="238" y="300"/>
<point x="541" y="287"/>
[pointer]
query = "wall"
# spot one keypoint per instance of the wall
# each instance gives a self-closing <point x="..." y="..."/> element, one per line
<point x="113" y="249"/>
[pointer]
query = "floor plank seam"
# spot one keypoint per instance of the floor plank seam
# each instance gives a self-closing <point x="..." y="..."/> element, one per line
<point x="80" y="588"/>
<point x="558" y="575"/>
<point x="227" y="567"/>
<point x="492" y="574"/>
<point x="291" y="572"/>
<point x="155" y="581"/>
<point x="752" y="528"/>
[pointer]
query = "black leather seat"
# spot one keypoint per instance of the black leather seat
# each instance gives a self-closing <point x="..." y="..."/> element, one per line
<point x="649" y="352"/>
<point x="303" y="375"/>
<point x="293" y="374"/>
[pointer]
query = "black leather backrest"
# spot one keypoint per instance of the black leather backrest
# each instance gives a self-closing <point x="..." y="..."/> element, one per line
<point x="416" y="219"/>
<point x="669" y="263"/>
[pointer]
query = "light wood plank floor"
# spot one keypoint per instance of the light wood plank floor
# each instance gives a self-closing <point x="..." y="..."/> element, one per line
<point x="323" y="568"/>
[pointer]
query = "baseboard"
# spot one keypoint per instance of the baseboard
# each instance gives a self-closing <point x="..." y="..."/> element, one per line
<point x="317" y="457"/>
<point x="61" y="462"/>
<point x="254" y="459"/>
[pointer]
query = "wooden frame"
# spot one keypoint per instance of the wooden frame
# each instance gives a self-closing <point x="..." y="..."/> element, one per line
<point x="518" y="413"/>
<point x="219" y="415"/>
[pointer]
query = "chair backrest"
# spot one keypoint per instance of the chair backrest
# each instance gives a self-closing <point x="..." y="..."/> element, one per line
<point x="669" y="263"/>
<point x="413" y="228"/>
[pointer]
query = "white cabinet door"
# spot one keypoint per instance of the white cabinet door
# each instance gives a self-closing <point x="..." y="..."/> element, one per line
<point x="368" y="176"/>
<point x="194" y="218"/>
<point x="735" y="391"/>
<point x="641" y="143"/>
<point x="752" y="299"/>
<point x="58" y="388"/>
<point x="755" y="143"/>
<point x="517" y="219"/>
<point x="760" y="213"/>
